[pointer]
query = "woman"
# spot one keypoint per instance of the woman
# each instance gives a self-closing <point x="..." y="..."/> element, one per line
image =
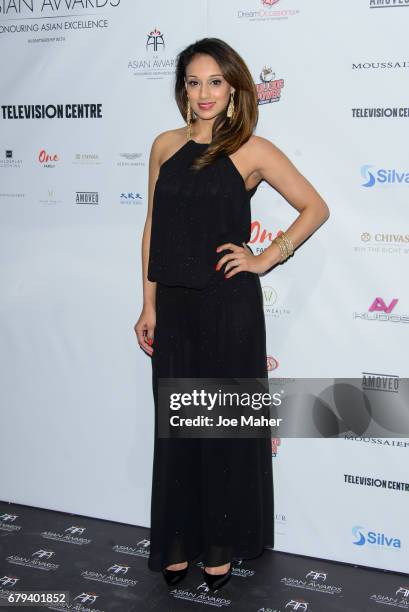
<point x="212" y="496"/>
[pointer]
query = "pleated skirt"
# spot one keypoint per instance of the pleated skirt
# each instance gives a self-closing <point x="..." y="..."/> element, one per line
<point x="212" y="498"/>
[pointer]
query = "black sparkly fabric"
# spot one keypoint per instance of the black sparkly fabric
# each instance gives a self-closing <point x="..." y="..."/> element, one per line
<point x="211" y="497"/>
<point x="192" y="214"/>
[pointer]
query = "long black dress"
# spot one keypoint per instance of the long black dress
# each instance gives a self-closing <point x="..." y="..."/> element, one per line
<point x="211" y="498"/>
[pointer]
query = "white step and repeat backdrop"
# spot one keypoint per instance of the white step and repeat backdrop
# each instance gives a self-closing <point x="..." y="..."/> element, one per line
<point x="84" y="91"/>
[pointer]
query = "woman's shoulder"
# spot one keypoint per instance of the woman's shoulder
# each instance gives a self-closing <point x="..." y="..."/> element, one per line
<point x="171" y="135"/>
<point x="251" y="156"/>
<point x="258" y="144"/>
<point x="256" y="147"/>
<point x="167" y="142"/>
<point x="256" y="150"/>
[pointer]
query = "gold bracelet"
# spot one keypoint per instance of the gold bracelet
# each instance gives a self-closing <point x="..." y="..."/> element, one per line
<point x="285" y="245"/>
<point x="288" y="242"/>
<point x="283" y="249"/>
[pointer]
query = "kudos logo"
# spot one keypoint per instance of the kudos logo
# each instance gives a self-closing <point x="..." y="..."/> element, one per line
<point x="373" y="538"/>
<point x="380" y="311"/>
<point x="383" y="176"/>
<point x="379" y="305"/>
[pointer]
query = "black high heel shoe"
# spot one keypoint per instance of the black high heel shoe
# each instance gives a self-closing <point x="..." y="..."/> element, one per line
<point x="216" y="581"/>
<point x="172" y="577"/>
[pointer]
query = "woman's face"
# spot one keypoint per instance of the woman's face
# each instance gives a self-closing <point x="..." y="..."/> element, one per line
<point x="206" y="87"/>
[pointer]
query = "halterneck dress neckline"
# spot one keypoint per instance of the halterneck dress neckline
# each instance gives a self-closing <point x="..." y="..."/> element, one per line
<point x="199" y="143"/>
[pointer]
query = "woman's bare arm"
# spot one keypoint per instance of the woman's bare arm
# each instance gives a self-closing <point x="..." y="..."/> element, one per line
<point x="275" y="167"/>
<point x="145" y="325"/>
<point x="263" y="160"/>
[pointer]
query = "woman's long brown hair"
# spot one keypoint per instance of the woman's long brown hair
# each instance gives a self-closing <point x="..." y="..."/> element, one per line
<point x="228" y="134"/>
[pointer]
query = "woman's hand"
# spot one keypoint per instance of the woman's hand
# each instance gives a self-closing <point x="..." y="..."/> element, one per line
<point x="144" y="329"/>
<point x="242" y="259"/>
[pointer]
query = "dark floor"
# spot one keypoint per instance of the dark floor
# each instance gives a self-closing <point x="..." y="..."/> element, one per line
<point x="103" y="565"/>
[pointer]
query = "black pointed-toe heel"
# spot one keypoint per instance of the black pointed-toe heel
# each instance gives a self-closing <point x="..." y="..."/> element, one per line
<point x="216" y="581"/>
<point x="172" y="577"/>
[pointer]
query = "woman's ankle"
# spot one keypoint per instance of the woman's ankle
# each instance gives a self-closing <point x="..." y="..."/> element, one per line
<point x="219" y="569"/>
<point x="177" y="566"/>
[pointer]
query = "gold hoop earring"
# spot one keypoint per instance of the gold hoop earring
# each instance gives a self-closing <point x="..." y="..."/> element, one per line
<point x="230" y="108"/>
<point x="188" y="121"/>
